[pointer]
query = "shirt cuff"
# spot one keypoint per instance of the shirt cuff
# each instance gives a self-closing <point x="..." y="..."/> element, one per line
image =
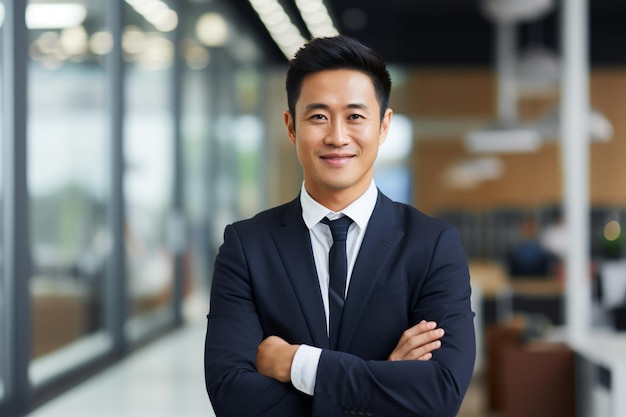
<point x="304" y="368"/>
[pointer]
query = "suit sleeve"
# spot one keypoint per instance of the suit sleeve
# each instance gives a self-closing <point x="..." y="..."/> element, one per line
<point x="348" y="384"/>
<point x="233" y="335"/>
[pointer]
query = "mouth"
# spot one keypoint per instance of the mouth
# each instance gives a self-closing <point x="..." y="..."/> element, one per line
<point x="335" y="159"/>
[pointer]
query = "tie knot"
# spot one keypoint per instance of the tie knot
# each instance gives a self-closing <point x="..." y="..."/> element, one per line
<point x="338" y="227"/>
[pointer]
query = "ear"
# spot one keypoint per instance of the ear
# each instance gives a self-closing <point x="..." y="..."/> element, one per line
<point x="384" y="126"/>
<point x="290" y="124"/>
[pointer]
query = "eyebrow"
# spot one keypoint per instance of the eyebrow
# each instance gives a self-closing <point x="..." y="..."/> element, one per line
<point x="322" y="106"/>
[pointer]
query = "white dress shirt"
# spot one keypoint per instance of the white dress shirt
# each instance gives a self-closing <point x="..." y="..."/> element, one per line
<point x="306" y="359"/>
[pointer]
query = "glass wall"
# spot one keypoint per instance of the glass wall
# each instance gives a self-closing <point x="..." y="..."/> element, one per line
<point x="67" y="173"/>
<point x="224" y="140"/>
<point x="250" y="141"/>
<point x="4" y="337"/>
<point x="148" y="148"/>
<point x="196" y="152"/>
<point x="101" y="251"/>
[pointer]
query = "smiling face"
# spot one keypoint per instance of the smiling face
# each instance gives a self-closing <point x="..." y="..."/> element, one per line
<point x="337" y="131"/>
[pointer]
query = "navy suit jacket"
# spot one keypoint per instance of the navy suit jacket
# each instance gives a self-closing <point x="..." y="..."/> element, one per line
<point x="410" y="267"/>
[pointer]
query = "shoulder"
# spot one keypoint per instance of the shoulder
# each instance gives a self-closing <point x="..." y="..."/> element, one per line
<point x="408" y="217"/>
<point x="270" y="218"/>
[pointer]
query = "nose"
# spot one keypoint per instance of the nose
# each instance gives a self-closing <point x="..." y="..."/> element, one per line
<point x="337" y="134"/>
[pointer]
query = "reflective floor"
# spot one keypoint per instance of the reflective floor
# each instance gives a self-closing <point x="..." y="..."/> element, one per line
<point x="166" y="379"/>
<point x="163" y="379"/>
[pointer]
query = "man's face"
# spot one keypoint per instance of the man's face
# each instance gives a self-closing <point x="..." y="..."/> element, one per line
<point x="337" y="131"/>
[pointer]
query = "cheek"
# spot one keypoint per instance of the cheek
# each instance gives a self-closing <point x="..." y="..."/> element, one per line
<point x="304" y="151"/>
<point x="370" y="142"/>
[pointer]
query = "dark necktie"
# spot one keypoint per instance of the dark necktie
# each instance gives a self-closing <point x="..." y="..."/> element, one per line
<point x="338" y="269"/>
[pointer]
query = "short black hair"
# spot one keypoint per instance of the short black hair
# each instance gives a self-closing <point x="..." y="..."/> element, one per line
<point x="337" y="52"/>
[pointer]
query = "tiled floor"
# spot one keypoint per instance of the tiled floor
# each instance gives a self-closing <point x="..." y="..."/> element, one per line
<point x="166" y="379"/>
<point x="163" y="379"/>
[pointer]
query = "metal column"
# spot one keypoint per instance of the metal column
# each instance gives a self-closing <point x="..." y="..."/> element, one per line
<point x="16" y="212"/>
<point x="575" y="150"/>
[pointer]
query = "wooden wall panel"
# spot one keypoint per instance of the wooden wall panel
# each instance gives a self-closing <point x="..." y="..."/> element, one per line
<point x="528" y="180"/>
<point x="451" y="93"/>
<point x="608" y="160"/>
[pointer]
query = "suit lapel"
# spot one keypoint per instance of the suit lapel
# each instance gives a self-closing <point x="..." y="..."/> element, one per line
<point x="380" y="240"/>
<point x="294" y="245"/>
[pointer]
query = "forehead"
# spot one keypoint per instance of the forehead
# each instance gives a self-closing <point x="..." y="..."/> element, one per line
<point x="337" y="85"/>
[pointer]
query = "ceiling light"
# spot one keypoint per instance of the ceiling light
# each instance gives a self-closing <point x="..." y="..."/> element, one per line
<point x="54" y="15"/>
<point x="133" y="40"/>
<point x="600" y="128"/>
<point x="538" y="70"/>
<point x="506" y="135"/>
<point x="503" y="139"/>
<point x="470" y="173"/>
<point x="164" y="20"/>
<point x="74" y="40"/>
<point x="280" y="27"/>
<point x="212" y="29"/>
<point x="157" y="13"/>
<point x="316" y="18"/>
<point x="101" y="43"/>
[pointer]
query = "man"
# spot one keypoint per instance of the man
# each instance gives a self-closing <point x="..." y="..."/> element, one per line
<point x="399" y="341"/>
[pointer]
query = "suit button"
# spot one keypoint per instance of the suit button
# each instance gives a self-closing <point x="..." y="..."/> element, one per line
<point x="361" y="412"/>
<point x="353" y="412"/>
<point x="369" y="413"/>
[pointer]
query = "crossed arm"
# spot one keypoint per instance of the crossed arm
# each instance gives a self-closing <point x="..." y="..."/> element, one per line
<point x="248" y="373"/>
<point x="275" y="355"/>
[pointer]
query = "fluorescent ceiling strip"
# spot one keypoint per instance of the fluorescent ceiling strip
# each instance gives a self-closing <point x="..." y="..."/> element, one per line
<point x="157" y="13"/>
<point x="279" y="25"/>
<point x="503" y="140"/>
<point x="54" y="15"/>
<point x="316" y="17"/>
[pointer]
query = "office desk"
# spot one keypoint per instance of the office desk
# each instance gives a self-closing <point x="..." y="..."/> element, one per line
<point x="489" y="276"/>
<point x="504" y="296"/>
<point x="537" y="287"/>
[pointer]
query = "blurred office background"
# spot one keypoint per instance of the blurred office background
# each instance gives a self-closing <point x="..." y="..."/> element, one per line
<point x="133" y="131"/>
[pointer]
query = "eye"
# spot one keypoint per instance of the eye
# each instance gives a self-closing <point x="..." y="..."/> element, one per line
<point x="355" y="116"/>
<point x="318" y="117"/>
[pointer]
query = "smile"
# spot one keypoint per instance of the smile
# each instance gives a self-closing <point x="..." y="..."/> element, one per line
<point x="337" y="160"/>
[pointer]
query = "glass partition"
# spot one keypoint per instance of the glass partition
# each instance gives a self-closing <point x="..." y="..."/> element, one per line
<point x="67" y="173"/>
<point x="148" y="140"/>
<point x="196" y="164"/>
<point x="248" y="132"/>
<point x="4" y="337"/>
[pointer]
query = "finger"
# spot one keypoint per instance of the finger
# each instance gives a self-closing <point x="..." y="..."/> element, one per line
<point x="421" y="327"/>
<point x="416" y="330"/>
<point x="423" y="352"/>
<point x="412" y="338"/>
<point x="413" y="346"/>
<point x="420" y="339"/>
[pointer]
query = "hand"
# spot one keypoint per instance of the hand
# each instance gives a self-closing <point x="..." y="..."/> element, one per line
<point x="273" y="358"/>
<point x="418" y="342"/>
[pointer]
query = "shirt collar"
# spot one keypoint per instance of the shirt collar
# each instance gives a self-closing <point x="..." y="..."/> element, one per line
<point x="359" y="210"/>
